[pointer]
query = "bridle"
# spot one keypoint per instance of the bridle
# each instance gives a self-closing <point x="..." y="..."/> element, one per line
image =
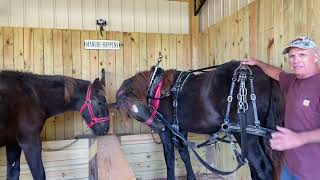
<point x="87" y="104"/>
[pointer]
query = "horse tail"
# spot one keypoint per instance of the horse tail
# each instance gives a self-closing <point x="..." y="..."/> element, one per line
<point x="275" y="117"/>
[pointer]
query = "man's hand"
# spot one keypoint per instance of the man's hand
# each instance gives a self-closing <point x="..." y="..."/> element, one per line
<point x="285" y="139"/>
<point x="271" y="71"/>
<point x="251" y="61"/>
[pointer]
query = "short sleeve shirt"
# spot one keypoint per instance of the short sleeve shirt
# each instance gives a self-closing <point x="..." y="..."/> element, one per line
<point x="302" y="113"/>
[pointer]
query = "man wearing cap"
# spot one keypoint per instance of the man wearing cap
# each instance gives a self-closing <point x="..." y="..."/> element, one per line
<point x="300" y="138"/>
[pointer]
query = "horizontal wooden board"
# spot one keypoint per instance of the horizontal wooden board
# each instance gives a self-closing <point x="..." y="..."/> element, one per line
<point x="146" y="158"/>
<point x="70" y="163"/>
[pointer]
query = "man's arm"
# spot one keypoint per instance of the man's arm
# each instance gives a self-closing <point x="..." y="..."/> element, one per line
<point x="271" y="71"/>
<point x="286" y="139"/>
<point x="310" y="136"/>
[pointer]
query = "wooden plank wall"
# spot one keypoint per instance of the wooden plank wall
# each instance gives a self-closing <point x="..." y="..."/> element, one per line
<point x="71" y="163"/>
<point x="152" y="16"/>
<point x="261" y="30"/>
<point x="53" y="51"/>
<point x="215" y="11"/>
<point x="147" y="160"/>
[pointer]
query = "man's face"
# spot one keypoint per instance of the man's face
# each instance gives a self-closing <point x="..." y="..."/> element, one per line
<point x="302" y="61"/>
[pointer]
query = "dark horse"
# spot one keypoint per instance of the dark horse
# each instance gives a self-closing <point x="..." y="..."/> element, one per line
<point x="27" y="100"/>
<point x="201" y="109"/>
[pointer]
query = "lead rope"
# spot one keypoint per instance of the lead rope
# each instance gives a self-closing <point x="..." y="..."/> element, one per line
<point x="77" y="138"/>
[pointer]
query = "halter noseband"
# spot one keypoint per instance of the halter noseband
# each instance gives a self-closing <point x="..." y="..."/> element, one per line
<point x="87" y="103"/>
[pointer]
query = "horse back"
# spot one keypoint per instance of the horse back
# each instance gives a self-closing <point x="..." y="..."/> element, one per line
<point x="203" y="101"/>
<point x="19" y="109"/>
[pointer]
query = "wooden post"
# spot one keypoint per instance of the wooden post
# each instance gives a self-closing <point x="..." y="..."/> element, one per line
<point x="112" y="164"/>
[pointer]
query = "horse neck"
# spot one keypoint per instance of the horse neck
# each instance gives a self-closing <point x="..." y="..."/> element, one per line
<point x="52" y="98"/>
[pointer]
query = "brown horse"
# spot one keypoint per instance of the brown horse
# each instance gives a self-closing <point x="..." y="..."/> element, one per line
<point x="201" y="108"/>
<point x="27" y="100"/>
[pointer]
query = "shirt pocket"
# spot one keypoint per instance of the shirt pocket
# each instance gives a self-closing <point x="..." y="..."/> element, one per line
<point x="309" y="104"/>
<point x="308" y="107"/>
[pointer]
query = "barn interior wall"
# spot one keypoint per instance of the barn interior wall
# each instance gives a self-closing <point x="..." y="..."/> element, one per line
<point x="152" y="16"/>
<point x="215" y="11"/>
<point x="261" y="29"/>
<point x="55" y="51"/>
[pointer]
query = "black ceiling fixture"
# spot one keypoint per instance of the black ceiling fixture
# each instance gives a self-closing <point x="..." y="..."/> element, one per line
<point x="198" y="5"/>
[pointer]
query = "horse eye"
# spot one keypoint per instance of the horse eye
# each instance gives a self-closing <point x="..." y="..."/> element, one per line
<point x="101" y="103"/>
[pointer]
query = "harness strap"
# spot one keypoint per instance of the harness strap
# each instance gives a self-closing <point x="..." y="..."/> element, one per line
<point x="154" y="91"/>
<point x="229" y="99"/>
<point x="192" y="146"/>
<point x="243" y="134"/>
<point x="177" y="88"/>
<point x="254" y="104"/>
<point x="212" y="169"/>
<point x="214" y="139"/>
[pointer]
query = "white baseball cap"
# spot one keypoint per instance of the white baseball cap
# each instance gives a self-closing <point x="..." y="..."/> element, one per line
<point x="301" y="42"/>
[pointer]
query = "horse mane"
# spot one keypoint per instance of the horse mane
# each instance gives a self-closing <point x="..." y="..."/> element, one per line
<point x="140" y="82"/>
<point x="68" y="82"/>
<point x="69" y="87"/>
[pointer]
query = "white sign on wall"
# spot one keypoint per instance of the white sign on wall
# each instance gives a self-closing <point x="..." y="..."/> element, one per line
<point x="101" y="44"/>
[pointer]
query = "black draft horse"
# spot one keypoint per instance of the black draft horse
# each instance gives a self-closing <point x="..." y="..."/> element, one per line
<point x="201" y="109"/>
<point x="27" y="100"/>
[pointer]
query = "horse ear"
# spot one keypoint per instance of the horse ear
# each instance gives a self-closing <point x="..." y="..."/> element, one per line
<point x="96" y="82"/>
<point x="103" y="77"/>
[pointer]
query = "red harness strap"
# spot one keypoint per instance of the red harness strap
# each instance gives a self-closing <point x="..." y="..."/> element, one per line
<point x="155" y="103"/>
<point x="87" y="104"/>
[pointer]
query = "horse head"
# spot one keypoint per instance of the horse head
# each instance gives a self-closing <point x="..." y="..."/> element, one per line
<point x="94" y="109"/>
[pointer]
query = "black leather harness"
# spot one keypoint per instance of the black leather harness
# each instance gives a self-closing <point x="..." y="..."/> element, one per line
<point x="241" y="75"/>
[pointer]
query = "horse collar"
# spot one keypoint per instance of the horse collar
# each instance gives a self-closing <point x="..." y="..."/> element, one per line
<point x="87" y="104"/>
<point x="154" y="92"/>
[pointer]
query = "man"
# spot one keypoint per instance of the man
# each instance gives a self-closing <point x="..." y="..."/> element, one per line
<point x="300" y="138"/>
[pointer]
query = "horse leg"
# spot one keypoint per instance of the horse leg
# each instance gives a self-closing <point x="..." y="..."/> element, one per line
<point x="32" y="150"/>
<point x="168" y="150"/>
<point x="184" y="154"/>
<point x="13" y="161"/>
<point x="260" y="166"/>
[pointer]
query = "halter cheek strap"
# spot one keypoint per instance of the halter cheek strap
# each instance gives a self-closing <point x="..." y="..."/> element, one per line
<point x="87" y="104"/>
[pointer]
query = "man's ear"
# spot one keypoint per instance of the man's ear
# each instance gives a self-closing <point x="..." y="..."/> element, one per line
<point x="315" y="55"/>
